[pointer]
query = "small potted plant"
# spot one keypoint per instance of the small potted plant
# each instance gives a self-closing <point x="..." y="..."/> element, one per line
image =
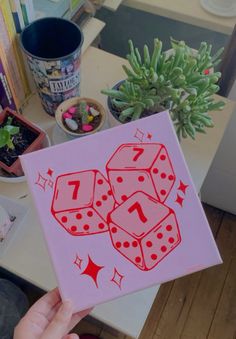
<point x="80" y="116"/>
<point x="17" y="136"/>
<point x="181" y="80"/>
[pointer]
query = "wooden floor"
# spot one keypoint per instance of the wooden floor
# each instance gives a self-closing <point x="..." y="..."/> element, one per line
<point x="201" y="305"/>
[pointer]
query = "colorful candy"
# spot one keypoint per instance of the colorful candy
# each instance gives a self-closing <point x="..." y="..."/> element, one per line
<point x="66" y="115"/>
<point x="87" y="128"/>
<point x="72" y="124"/>
<point x="72" y="110"/>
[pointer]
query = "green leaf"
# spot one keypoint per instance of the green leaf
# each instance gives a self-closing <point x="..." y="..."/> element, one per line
<point x="217" y="55"/>
<point x="126" y="113"/>
<point x="12" y="129"/>
<point x="137" y="112"/>
<point x="138" y="56"/>
<point x="156" y="53"/>
<point x="9" y="120"/>
<point x="115" y="94"/>
<point x="146" y="56"/>
<point x="4" y="137"/>
<point x="10" y="144"/>
<point x="133" y="63"/>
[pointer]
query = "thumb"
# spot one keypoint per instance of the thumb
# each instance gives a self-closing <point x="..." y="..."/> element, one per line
<point x="59" y="324"/>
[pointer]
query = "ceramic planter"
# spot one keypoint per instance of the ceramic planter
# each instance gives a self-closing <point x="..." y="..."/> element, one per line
<point x="16" y="168"/>
<point x="64" y="106"/>
<point x="113" y="119"/>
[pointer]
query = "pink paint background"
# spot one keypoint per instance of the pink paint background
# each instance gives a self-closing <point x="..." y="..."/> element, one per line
<point x="196" y="251"/>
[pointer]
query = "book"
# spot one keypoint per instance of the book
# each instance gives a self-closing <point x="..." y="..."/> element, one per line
<point x="119" y="211"/>
<point x="28" y="12"/>
<point x="75" y="5"/>
<point x="11" y="55"/>
<point x="9" y="64"/>
<point x="6" y="98"/>
<point x="17" y="15"/>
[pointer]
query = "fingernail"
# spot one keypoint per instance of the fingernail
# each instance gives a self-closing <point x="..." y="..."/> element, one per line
<point x="66" y="308"/>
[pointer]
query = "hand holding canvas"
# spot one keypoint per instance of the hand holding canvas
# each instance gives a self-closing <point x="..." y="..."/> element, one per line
<point x="49" y="318"/>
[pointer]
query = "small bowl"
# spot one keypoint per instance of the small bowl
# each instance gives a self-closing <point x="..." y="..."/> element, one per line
<point x="65" y="105"/>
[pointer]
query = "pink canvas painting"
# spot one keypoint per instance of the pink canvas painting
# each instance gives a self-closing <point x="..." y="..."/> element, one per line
<point x="119" y="211"/>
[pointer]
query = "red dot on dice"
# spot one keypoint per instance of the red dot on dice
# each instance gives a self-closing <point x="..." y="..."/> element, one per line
<point x="155" y="170"/>
<point x="73" y="228"/>
<point x="126" y="244"/>
<point x="118" y="244"/>
<point x="64" y="218"/>
<point x="168" y="228"/>
<point x="78" y="216"/>
<point x="159" y="235"/>
<point x="149" y="244"/>
<point x="134" y="243"/>
<point x="100" y="181"/>
<point x="154" y="257"/>
<point x="98" y="203"/>
<point x="163" y="192"/>
<point x="89" y="213"/>
<point x="86" y="227"/>
<point x="114" y="229"/>
<point x="171" y="177"/>
<point x="124" y="197"/>
<point x="171" y="240"/>
<point x="163" y="157"/>
<point x="141" y="178"/>
<point x="109" y="192"/>
<point x="163" y="248"/>
<point x="163" y="175"/>
<point x="137" y="259"/>
<point x="101" y="225"/>
<point x="119" y="179"/>
<point x="104" y="197"/>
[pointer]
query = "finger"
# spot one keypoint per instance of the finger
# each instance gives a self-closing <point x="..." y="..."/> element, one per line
<point x="47" y="302"/>
<point x="71" y="336"/>
<point x="77" y="317"/>
<point x="59" y="324"/>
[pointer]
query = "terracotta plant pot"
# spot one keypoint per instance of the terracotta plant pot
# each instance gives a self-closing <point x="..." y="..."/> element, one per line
<point x="16" y="168"/>
<point x="65" y="105"/>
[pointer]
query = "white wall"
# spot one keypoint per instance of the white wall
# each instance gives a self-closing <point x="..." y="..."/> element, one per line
<point x="219" y="188"/>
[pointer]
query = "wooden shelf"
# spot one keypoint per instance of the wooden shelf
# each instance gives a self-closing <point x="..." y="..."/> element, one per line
<point x="189" y="11"/>
<point x="91" y="30"/>
<point x="112" y="5"/>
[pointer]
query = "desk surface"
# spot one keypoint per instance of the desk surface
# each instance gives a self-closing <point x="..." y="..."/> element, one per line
<point x="189" y="11"/>
<point x="27" y="255"/>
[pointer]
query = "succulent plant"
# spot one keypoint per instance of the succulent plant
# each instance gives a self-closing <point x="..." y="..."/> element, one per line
<point x="6" y="134"/>
<point x="182" y="80"/>
<point x="83" y="112"/>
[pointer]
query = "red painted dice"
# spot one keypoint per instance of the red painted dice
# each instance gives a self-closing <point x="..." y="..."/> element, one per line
<point x="82" y="201"/>
<point x="140" y="167"/>
<point x="143" y="230"/>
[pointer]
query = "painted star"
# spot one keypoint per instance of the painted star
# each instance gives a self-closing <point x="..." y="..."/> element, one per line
<point x="92" y="270"/>
<point x="179" y="200"/>
<point x="117" y="278"/>
<point x="149" y="136"/>
<point x="41" y="181"/>
<point x="50" y="172"/>
<point x="182" y="187"/>
<point x="78" y="261"/>
<point x="139" y="135"/>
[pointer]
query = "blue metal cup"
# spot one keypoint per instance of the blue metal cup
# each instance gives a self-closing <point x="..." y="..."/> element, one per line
<point x="53" y="50"/>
